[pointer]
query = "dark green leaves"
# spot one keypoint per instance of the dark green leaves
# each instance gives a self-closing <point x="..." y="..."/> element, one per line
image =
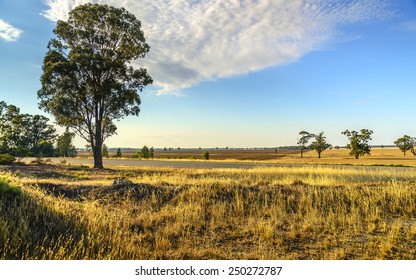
<point x="358" y="142"/>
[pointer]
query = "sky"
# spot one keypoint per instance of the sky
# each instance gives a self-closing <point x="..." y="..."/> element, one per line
<point x="242" y="73"/>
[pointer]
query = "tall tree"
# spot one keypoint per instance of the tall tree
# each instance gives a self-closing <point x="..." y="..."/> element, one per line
<point x="303" y="140"/>
<point x="358" y="142"/>
<point x="320" y="144"/>
<point x="88" y="81"/>
<point x="405" y="143"/>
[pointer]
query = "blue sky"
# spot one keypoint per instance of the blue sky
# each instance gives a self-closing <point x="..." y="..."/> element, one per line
<point x="243" y="73"/>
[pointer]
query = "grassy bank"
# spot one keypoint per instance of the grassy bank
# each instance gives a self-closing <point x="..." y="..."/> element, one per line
<point x="311" y="212"/>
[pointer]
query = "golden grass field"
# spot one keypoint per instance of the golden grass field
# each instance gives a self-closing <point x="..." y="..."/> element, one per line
<point x="301" y="212"/>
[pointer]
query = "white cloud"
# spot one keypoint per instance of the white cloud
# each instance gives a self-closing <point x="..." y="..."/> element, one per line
<point x="8" y="32"/>
<point x="200" y="40"/>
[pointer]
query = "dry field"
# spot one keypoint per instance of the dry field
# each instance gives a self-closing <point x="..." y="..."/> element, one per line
<point x="379" y="156"/>
<point x="306" y="212"/>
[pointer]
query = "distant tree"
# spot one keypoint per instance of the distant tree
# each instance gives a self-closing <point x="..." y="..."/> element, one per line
<point x="88" y="80"/>
<point x="358" y="142"/>
<point x="320" y="144"/>
<point x="303" y="141"/>
<point x="105" y="151"/>
<point x="64" y="144"/>
<point x="118" y="153"/>
<point x="144" y="152"/>
<point x="405" y="143"/>
<point x="205" y="155"/>
<point x="165" y="149"/>
<point x="152" y="152"/>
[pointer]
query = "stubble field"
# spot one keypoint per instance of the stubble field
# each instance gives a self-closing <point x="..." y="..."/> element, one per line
<point x="299" y="212"/>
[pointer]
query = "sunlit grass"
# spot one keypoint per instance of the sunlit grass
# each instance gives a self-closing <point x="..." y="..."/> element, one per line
<point x="301" y="212"/>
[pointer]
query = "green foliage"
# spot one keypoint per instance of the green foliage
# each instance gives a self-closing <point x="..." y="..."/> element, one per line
<point x="7" y="188"/>
<point x="46" y="148"/>
<point x="320" y="144"/>
<point x="21" y="134"/>
<point x="303" y="141"/>
<point x="405" y="143"/>
<point x="88" y="81"/>
<point x="64" y="144"/>
<point x="21" y="152"/>
<point x="145" y="152"/>
<point x="358" y="142"/>
<point x="118" y="153"/>
<point x="6" y="159"/>
<point x="105" y="151"/>
<point x="205" y="155"/>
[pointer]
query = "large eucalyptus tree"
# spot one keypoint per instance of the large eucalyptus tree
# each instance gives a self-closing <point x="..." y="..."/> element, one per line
<point x="88" y="81"/>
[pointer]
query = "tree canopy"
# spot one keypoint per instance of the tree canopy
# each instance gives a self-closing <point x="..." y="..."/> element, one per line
<point x="358" y="142"/>
<point x="405" y="143"/>
<point x="320" y="144"/>
<point x="303" y="140"/>
<point x="24" y="134"/>
<point x="64" y="144"/>
<point x="88" y="81"/>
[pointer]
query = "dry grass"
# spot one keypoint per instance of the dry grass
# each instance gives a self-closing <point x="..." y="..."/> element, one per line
<point x="310" y="212"/>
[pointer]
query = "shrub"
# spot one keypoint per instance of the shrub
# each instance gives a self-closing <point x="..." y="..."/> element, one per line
<point x="6" y="159"/>
<point x="118" y="153"/>
<point x="205" y="155"/>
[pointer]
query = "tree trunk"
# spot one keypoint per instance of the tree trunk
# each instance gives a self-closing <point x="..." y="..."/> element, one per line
<point x="97" y="148"/>
<point x="301" y="153"/>
<point x="98" y="158"/>
<point x="319" y="155"/>
<point x="356" y="156"/>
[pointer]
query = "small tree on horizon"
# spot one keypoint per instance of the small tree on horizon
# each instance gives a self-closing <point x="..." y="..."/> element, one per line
<point x="358" y="142"/>
<point x="144" y="152"/>
<point x="118" y="153"/>
<point x="205" y="155"/>
<point x="303" y="141"/>
<point x="405" y="143"/>
<point x="105" y="151"/>
<point x="320" y="144"/>
<point x="64" y="144"/>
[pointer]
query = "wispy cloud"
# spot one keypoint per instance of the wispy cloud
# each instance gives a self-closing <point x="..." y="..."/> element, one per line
<point x="408" y="26"/>
<point x="8" y="32"/>
<point x="193" y="41"/>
